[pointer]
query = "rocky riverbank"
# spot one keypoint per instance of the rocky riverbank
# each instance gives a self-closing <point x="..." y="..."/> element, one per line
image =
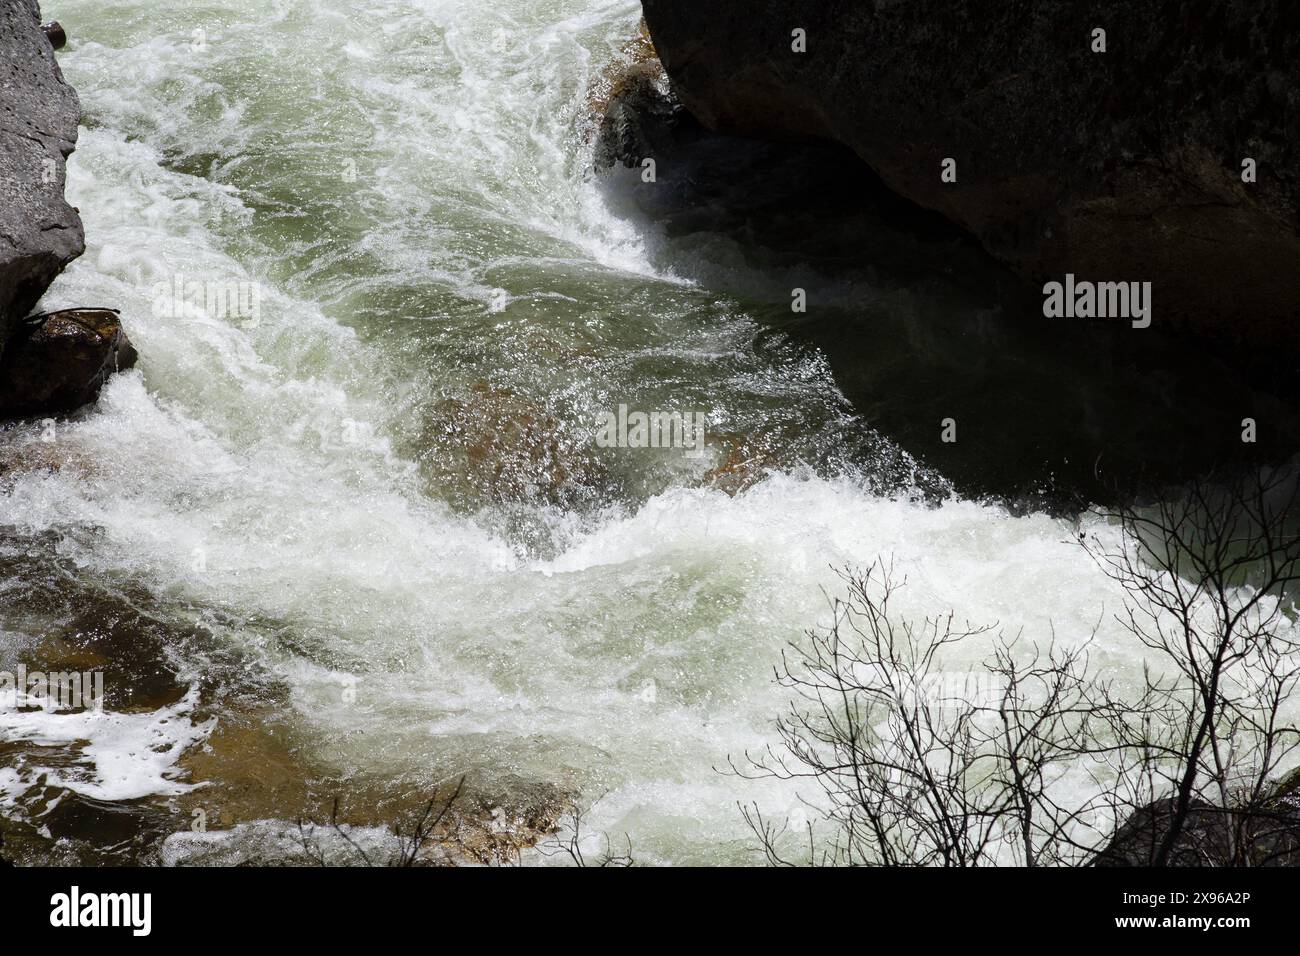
<point x="57" y="362"/>
<point x="1161" y="149"/>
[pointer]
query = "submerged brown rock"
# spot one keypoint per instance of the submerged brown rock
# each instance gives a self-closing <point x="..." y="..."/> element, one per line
<point x="60" y="361"/>
<point x="504" y="448"/>
<point x="1123" y="165"/>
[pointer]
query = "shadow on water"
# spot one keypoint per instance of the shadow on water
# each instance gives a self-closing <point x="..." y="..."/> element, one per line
<point x="919" y="325"/>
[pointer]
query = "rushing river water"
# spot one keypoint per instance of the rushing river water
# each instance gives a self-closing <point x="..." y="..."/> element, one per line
<point x="364" y="541"/>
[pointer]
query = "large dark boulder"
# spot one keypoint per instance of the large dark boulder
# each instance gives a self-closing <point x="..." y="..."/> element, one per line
<point x="1122" y="165"/>
<point x="39" y="232"/>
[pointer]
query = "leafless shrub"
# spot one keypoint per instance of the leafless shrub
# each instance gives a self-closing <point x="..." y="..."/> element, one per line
<point x="568" y="843"/>
<point x="911" y="776"/>
<point x="1037" y="759"/>
<point x="410" y="835"/>
<point x="1210" y="576"/>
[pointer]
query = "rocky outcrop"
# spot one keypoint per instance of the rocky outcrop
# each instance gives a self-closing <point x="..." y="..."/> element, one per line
<point x="1118" y="165"/>
<point x="55" y="362"/>
<point x="59" y="362"/>
<point x="39" y="232"/>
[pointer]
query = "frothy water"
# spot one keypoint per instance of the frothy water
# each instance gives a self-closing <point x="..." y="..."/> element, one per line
<point x="410" y="188"/>
<point x="122" y="756"/>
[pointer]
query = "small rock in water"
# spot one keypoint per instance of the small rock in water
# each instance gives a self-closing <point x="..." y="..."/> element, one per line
<point x="61" y="363"/>
<point x="55" y="33"/>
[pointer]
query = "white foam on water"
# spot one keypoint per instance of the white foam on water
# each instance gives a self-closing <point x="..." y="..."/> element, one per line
<point x="118" y="756"/>
<point x="277" y="843"/>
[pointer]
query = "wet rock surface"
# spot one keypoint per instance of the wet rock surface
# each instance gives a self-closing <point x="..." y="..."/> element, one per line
<point x="506" y="448"/>
<point x="39" y="232"/>
<point x="58" y="362"/>
<point x="634" y="111"/>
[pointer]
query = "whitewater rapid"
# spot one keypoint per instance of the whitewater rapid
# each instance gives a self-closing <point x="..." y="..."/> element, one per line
<point x="410" y="188"/>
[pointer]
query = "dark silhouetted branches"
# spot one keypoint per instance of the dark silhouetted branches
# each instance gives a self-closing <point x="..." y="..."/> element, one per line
<point x="568" y="844"/>
<point x="1028" y="754"/>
